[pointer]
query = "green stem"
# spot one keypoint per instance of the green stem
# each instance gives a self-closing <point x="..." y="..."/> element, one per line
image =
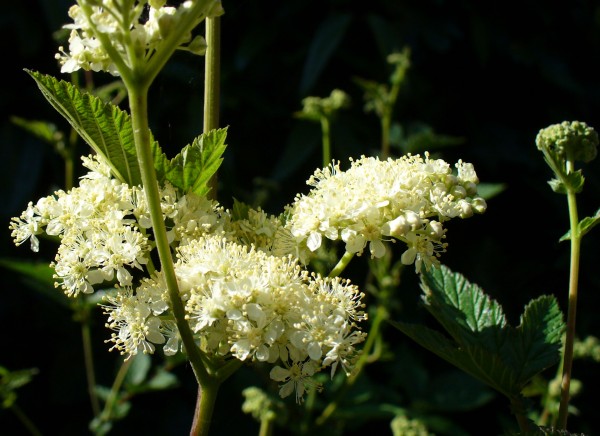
<point x="386" y="119"/>
<point x="205" y="405"/>
<point x="266" y="427"/>
<point x="381" y="314"/>
<point x="212" y="74"/>
<point x="114" y="391"/>
<point x="342" y="264"/>
<point x="89" y="362"/>
<point x="138" y="102"/>
<point x="25" y="420"/>
<point x="572" y="309"/>
<point x="326" y="135"/>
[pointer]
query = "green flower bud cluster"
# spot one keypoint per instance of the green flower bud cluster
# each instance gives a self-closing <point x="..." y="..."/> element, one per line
<point x="562" y="145"/>
<point x="313" y="108"/>
<point x="574" y="140"/>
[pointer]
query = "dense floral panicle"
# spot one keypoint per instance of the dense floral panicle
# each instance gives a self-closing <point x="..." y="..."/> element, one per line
<point x="374" y="201"/>
<point x="245" y="303"/>
<point x="102" y="225"/>
<point x="143" y="23"/>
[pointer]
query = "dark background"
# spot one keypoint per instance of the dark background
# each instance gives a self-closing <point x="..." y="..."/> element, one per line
<point x="492" y="73"/>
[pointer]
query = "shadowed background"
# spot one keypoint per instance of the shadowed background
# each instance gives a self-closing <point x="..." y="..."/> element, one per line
<point x="490" y="75"/>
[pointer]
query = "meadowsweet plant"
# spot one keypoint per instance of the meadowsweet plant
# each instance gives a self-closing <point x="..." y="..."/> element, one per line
<point x="181" y="274"/>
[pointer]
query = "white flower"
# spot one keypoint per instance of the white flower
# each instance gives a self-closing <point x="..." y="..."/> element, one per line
<point x="376" y="200"/>
<point x="296" y="378"/>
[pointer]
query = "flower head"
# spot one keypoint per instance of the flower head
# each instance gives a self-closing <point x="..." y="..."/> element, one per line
<point x="136" y="27"/>
<point x="374" y="201"/>
<point x="572" y="140"/>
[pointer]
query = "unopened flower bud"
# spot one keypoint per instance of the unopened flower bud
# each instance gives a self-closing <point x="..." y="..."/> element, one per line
<point x="436" y="231"/>
<point x="479" y="205"/>
<point x="466" y="211"/>
<point x="413" y="219"/>
<point x="396" y="227"/>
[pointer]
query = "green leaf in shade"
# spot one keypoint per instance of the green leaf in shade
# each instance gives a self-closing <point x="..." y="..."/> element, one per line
<point x="584" y="226"/>
<point x="326" y="39"/>
<point x="480" y="341"/>
<point x="105" y="127"/>
<point x="39" y="276"/>
<point x="193" y="167"/>
<point x="10" y="381"/>
<point x="162" y="380"/>
<point x="44" y="130"/>
<point x="138" y="370"/>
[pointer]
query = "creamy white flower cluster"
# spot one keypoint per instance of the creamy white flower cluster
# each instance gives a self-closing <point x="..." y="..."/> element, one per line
<point x="241" y="301"/>
<point x="244" y="303"/>
<point x="102" y="227"/>
<point x="375" y="201"/>
<point x="122" y="22"/>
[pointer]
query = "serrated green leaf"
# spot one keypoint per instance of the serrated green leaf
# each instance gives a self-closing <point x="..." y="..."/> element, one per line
<point x="461" y="307"/>
<point x="193" y="167"/>
<point x="482" y="343"/>
<point x="105" y="127"/>
<point x="478" y="362"/>
<point x="538" y="340"/>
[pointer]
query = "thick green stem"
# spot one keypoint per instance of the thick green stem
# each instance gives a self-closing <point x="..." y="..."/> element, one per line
<point x="212" y="87"/>
<point x="138" y="102"/>
<point x="212" y="74"/>
<point x="326" y="135"/>
<point x="205" y="405"/>
<point x="571" y="313"/>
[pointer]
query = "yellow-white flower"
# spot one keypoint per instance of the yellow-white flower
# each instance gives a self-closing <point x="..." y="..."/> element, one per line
<point x="376" y="201"/>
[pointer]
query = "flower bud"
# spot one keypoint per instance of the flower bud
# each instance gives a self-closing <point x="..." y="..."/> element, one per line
<point x="396" y="227"/>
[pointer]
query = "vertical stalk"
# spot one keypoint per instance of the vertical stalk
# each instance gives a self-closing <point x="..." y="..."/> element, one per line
<point x="572" y="310"/>
<point x="325" y="131"/>
<point x="205" y="406"/>
<point x="212" y="86"/>
<point x="138" y="103"/>
<point x="89" y="362"/>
